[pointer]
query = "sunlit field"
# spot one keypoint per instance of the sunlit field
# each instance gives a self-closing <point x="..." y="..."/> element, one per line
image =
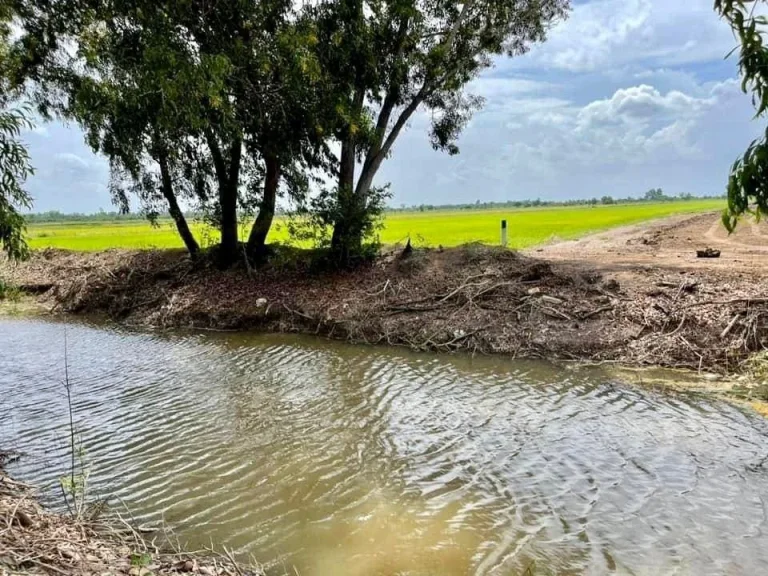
<point x="527" y="227"/>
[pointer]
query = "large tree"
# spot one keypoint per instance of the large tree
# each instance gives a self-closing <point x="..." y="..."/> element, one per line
<point x="186" y="98"/>
<point x="748" y="179"/>
<point x="393" y="57"/>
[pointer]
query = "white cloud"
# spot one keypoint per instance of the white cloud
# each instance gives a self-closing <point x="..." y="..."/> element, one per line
<point x="606" y="33"/>
<point x="496" y="88"/>
<point x="624" y="127"/>
<point x="633" y="138"/>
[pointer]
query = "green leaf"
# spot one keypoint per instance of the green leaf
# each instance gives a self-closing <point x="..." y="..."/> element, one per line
<point x="141" y="560"/>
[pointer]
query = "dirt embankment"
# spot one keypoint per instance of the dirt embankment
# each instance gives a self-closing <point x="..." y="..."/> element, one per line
<point x="636" y="295"/>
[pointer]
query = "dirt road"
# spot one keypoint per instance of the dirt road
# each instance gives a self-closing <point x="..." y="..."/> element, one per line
<point x="669" y="244"/>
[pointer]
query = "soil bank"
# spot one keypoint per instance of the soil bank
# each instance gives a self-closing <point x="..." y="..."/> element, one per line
<point x="636" y="296"/>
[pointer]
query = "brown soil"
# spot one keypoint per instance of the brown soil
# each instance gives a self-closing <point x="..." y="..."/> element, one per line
<point x="635" y="295"/>
<point x="669" y="244"/>
<point x="36" y="541"/>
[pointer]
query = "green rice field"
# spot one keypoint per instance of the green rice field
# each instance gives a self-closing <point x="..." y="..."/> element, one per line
<point x="527" y="227"/>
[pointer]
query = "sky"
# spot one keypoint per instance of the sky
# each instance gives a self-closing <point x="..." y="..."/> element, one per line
<point x="624" y="96"/>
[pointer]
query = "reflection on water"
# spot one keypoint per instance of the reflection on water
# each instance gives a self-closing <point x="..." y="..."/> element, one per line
<point x="354" y="461"/>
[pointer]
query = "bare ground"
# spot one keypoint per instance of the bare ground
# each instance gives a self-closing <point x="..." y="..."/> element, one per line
<point x="635" y="295"/>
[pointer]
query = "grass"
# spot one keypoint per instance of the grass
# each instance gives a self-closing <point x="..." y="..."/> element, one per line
<point x="527" y="227"/>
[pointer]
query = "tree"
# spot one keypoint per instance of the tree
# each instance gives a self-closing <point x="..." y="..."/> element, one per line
<point x="655" y="195"/>
<point x="15" y="167"/>
<point x="748" y="179"/>
<point x="606" y="200"/>
<point x="393" y="57"/>
<point x="123" y="85"/>
<point x="187" y="99"/>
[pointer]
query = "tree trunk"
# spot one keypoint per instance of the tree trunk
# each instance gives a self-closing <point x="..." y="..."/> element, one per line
<point x="173" y="207"/>
<point x="228" y="179"/>
<point x="353" y="200"/>
<point x="346" y="239"/>
<point x="345" y="193"/>
<point x="228" y="200"/>
<point x="258" y="237"/>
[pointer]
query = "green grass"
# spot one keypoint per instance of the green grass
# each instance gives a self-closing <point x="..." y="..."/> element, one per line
<point x="527" y="227"/>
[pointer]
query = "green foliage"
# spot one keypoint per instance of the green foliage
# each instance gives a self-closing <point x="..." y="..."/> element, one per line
<point x="74" y="485"/>
<point x="9" y="292"/>
<point x="748" y="180"/>
<point x="656" y="195"/>
<point x="330" y="207"/>
<point x="141" y="560"/>
<point x="188" y="100"/>
<point x="15" y="167"/>
<point x="224" y="106"/>
<point x="386" y="59"/>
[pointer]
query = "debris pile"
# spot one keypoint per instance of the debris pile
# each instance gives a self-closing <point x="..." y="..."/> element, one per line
<point x="35" y="541"/>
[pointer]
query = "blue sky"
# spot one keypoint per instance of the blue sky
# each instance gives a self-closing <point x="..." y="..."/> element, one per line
<point x="626" y="95"/>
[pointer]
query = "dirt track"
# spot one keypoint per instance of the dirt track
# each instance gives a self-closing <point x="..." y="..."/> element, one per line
<point x="668" y="244"/>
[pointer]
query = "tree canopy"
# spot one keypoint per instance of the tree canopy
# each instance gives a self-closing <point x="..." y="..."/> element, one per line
<point x="220" y="107"/>
<point x="396" y="56"/>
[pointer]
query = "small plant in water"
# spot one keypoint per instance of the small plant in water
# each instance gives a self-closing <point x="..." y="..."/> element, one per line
<point x="74" y="486"/>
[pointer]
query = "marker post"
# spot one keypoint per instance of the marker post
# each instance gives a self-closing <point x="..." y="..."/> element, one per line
<point x="504" y="233"/>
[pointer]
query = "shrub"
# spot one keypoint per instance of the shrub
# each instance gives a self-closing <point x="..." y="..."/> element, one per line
<point x="8" y="291"/>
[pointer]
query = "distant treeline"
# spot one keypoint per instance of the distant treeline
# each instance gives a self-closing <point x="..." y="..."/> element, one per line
<point x="653" y="195"/>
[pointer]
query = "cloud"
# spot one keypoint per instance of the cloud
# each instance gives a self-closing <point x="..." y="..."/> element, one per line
<point x="68" y="176"/>
<point x="38" y="129"/>
<point x="640" y="104"/>
<point x="69" y="160"/>
<point x="633" y="138"/>
<point x="607" y="33"/>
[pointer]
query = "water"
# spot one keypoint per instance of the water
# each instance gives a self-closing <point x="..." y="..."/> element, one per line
<point x="355" y="461"/>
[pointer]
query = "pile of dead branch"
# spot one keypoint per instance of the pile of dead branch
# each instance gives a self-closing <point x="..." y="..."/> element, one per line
<point x="36" y="541"/>
<point x="701" y="321"/>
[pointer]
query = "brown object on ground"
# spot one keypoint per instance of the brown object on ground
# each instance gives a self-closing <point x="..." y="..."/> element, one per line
<point x="708" y="253"/>
<point x="634" y="295"/>
<point x="47" y="543"/>
<point x="407" y="251"/>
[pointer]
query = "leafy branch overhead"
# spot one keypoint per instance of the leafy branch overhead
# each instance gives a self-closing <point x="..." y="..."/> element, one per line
<point x="748" y="179"/>
<point x="15" y="168"/>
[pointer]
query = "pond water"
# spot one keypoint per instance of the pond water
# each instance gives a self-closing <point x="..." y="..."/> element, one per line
<point x="343" y="460"/>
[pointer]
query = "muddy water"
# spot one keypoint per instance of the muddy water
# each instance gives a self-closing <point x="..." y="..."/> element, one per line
<point x="344" y="460"/>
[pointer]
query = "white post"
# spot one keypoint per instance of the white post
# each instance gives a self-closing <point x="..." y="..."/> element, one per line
<point x="504" y="233"/>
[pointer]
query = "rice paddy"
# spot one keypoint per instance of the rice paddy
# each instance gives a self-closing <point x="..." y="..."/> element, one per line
<point x="526" y="227"/>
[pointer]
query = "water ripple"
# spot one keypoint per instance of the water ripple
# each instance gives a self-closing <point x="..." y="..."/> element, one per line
<point x="354" y="461"/>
